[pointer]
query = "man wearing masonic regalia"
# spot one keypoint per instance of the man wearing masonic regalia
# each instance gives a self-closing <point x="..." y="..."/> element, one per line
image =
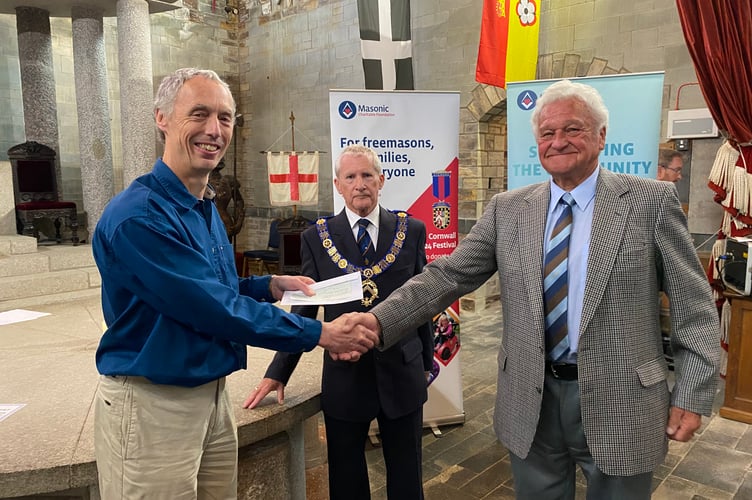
<point x="387" y="248"/>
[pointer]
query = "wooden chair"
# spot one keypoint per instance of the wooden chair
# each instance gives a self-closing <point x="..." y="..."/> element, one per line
<point x="35" y="191"/>
<point x="289" y="247"/>
<point x="260" y="262"/>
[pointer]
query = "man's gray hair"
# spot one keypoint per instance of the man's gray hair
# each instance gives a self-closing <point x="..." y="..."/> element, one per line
<point x="358" y="150"/>
<point x="567" y="89"/>
<point x="171" y="85"/>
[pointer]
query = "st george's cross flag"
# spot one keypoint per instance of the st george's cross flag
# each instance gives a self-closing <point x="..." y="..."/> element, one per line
<point x="385" y="44"/>
<point x="508" y="48"/>
<point x="293" y="178"/>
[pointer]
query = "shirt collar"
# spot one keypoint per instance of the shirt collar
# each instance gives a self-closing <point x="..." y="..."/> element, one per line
<point x="583" y="194"/>
<point x="353" y="218"/>
<point x="176" y="189"/>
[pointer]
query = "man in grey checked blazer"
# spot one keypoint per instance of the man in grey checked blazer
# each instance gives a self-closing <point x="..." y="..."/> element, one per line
<point x="607" y="407"/>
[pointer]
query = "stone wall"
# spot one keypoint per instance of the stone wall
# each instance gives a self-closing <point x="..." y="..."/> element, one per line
<point x="296" y="55"/>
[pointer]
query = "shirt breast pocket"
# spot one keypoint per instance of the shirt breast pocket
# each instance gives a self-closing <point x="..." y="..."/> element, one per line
<point x="223" y="262"/>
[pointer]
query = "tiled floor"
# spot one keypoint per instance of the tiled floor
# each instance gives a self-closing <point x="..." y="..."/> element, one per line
<point x="467" y="462"/>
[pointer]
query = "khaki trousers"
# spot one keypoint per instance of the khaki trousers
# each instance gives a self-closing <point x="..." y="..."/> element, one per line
<point x="164" y="442"/>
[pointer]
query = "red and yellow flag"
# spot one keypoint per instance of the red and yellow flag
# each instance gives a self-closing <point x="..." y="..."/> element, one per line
<point x="508" y="49"/>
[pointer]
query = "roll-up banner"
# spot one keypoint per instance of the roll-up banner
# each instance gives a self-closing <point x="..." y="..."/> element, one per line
<point x="416" y="136"/>
<point x="634" y="102"/>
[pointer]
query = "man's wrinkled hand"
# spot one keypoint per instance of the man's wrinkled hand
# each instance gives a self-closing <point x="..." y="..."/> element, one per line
<point x="266" y="386"/>
<point x="370" y="321"/>
<point x="345" y="356"/>
<point x="346" y="336"/>
<point x="682" y="424"/>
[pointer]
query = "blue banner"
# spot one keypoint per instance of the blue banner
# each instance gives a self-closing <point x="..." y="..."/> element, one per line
<point x="634" y="103"/>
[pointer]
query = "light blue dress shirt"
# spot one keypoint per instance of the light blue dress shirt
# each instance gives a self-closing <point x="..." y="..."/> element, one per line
<point x="579" y="250"/>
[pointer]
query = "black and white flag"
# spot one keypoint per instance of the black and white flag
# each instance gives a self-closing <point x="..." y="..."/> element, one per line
<point x="385" y="44"/>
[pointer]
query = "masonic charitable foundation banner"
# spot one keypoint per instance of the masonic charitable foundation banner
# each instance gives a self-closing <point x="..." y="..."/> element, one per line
<point x="416" y="137"/>
<point x="634" y="103"/>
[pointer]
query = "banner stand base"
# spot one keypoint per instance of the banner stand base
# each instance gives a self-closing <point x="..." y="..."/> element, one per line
<point x="444" y="420"/>
<point x="434" y="423"/>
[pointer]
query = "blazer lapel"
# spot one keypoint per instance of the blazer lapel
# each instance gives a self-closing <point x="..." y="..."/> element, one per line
<point x="610" y="215"/>
<point x="531" y="227"/>
<point x="387" y="225"/>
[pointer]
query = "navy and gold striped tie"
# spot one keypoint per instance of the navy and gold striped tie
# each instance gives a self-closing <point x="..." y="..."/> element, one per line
<point x="555" y="283"/>
<point x="364" y="241"/>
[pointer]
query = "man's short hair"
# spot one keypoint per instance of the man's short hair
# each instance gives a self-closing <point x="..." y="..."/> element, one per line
<point x="358" y="150"/>
<point x="567" y="89"/>
<point x="171" y="85"/>
<point x="666" y="156"/>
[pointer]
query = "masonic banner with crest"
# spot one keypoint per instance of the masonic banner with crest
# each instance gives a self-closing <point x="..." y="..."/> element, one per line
<point x="415" y="135"/>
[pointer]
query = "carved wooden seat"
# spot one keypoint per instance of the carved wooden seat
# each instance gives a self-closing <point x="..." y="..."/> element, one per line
<point x="289" y="244"/>
<point x="35" y="191"/>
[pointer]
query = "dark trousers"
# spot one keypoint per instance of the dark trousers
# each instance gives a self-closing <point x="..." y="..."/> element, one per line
<point x="401" y="440"/>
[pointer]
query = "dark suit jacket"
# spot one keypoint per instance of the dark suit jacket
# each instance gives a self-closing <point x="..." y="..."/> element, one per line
<point x="392" y="380"/>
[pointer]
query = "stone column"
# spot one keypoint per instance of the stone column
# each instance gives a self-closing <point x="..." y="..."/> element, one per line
<point x="136" y="88"/>
<point x="95" y="140"/>
<point x="7" y="203"/>
<point x="38" y="80"/>
<point x="317" y="469"/>
<point x="297" y="461"/>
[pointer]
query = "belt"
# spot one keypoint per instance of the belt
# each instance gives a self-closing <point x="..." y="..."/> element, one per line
<point x="562" y="371"/>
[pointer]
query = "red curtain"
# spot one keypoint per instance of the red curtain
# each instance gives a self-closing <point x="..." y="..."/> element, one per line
<point x="719" y="37"/>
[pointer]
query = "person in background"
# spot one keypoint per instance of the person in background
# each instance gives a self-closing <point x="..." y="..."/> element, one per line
<point x="178" y="317"/>
<point x="670" y="165"/>
<point x="580" y="258"/>
<point x="389" y="385"/>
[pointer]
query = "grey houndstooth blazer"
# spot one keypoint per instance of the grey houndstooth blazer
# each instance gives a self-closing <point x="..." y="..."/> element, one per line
<point x="639" y="244"/>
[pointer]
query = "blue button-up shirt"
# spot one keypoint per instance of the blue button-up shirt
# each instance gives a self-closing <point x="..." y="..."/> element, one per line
<point x="175" y="309"/>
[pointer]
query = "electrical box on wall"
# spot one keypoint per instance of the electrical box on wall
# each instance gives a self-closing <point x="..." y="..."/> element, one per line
<point x="690" y="124"/>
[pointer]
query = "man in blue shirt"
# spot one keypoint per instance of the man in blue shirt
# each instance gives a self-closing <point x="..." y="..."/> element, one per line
<point x="178" y="317"/>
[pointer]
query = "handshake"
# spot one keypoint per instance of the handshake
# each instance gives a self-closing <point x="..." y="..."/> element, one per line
<point x="350" y="335"/>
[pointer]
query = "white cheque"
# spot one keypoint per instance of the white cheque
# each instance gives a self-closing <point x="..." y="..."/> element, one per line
<point x="332" y="291"/>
